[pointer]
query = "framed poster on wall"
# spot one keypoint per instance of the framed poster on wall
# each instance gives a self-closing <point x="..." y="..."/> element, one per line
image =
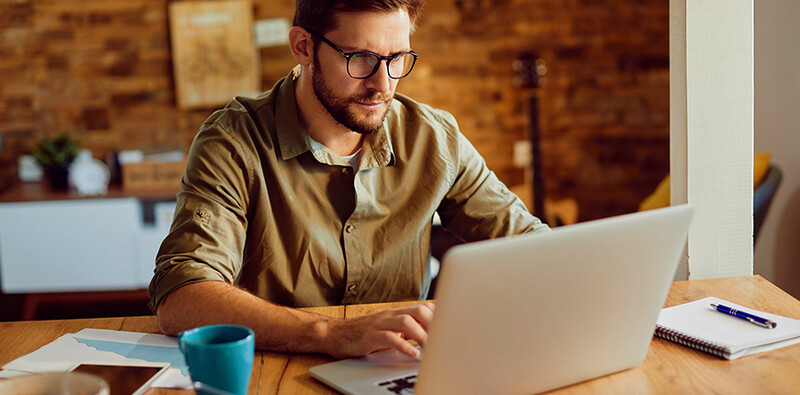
<point x="213" y="52"/>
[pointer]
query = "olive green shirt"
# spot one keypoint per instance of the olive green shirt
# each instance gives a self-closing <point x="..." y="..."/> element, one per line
<point x="262" y="209"/>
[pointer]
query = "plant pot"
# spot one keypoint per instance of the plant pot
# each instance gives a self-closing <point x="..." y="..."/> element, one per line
<point x="58" y="177"/>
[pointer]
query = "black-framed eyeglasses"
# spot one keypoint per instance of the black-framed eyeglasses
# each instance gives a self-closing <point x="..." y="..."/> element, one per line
<point x="363" y="64"/>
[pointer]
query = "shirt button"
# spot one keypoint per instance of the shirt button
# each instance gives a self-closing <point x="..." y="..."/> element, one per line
<point x="349" y="228"/>
<point x="352" y="287"/>
<point x="346" y="170"/>
<point x="202" y="213"/>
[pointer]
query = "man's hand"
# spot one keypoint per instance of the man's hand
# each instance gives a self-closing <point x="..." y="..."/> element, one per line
<point x="380" y="331"/>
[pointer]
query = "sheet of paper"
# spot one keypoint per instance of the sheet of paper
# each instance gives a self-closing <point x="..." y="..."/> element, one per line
<point x="106" y="345"/>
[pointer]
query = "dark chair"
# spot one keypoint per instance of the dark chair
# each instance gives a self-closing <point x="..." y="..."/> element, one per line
<point x="441" y="241"/>
<point x="762" y="198"/>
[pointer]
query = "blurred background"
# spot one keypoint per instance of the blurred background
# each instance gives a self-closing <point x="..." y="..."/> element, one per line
<point x="567" y="100"/>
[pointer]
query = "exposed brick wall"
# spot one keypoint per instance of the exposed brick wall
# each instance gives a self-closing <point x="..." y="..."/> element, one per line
<point x="98" y="69"/>
<point x="101" y="69"/>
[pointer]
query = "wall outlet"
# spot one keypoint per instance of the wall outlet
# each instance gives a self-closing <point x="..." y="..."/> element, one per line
<point x="271" y="32"/>
<point x="523" y="156"/>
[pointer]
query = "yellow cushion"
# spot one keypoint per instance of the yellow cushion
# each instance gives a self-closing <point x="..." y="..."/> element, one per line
<point x="761" y="163"/>
<point x="660" y="196"/>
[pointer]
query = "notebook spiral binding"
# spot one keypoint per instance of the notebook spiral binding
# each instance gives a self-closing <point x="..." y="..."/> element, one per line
<point x="693" y="342"/>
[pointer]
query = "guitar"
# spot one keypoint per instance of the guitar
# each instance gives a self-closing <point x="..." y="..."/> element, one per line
<point x="530" y="74"/>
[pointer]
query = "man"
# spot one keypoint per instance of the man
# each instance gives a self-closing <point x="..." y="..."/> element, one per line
<point x="322" y="190"/>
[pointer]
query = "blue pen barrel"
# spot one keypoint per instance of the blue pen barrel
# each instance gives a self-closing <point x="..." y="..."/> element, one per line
<point x="753" y="319"/>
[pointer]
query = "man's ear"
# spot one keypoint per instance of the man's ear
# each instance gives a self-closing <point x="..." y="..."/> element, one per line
<point x="301" y="45"/>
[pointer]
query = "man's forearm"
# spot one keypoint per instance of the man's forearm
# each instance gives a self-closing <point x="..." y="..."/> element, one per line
<point x="277" y="328"/>
<point x="284" y="329"/>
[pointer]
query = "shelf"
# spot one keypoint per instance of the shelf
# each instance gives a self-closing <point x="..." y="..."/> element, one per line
<point x="40" y="191"/>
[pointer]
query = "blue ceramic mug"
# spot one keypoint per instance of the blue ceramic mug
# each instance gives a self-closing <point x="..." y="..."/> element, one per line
<point x="220" y="356"/>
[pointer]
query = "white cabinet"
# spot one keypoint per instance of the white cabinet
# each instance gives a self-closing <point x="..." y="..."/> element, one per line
<point x="76" y="245"/>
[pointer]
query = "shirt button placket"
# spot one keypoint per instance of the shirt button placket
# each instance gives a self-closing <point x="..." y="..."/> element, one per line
<point x="354" y="254"/>
<point x="351" y="291"/>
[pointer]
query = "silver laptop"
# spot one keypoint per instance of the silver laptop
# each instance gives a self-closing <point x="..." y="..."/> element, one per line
<point x="532" y="313"/>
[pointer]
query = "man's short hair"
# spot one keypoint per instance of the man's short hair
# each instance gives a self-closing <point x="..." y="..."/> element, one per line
<point x="320" y="15"/>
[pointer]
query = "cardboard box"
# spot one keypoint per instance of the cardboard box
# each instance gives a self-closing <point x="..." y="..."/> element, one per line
<point x="152" y="176"/>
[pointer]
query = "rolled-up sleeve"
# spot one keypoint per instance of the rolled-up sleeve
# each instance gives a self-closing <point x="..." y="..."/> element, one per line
<point x="478" y="205"/>
<point x="207" y="237"/>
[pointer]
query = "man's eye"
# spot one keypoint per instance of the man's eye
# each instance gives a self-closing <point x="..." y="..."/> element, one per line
<point x="364" y="57"/>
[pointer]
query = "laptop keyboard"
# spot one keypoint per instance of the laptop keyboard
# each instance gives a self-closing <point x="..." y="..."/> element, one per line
<point x="400" y="385"/>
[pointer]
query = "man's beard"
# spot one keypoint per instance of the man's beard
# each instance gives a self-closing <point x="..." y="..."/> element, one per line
<point x="339" y="109"/>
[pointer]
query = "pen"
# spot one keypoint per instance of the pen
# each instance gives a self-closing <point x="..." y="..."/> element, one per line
<point x="753" y="319"/>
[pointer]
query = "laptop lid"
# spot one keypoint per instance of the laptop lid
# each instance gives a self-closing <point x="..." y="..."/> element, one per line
<point x="531" y="313"/>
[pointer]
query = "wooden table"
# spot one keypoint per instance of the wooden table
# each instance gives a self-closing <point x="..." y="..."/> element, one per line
<point x="668" y="367"/>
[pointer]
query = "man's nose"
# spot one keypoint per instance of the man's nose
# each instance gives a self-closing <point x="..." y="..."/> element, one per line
<point x="380" y="81"/>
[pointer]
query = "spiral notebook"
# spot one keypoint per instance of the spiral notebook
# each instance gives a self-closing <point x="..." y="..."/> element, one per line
<point x="697" y="325"/>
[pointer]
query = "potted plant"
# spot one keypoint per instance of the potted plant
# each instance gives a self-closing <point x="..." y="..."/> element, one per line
<point x="55" y="155"/>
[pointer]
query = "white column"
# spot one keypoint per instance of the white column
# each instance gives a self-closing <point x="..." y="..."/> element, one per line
<point x="711" y="132"/>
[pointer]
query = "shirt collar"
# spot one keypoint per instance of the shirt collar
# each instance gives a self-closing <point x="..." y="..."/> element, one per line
<point x="292" y="135"/>
<point x="293" y="138"/>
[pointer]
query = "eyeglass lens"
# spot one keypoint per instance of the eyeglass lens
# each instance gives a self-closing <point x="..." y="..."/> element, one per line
<point x="364" y="64"/>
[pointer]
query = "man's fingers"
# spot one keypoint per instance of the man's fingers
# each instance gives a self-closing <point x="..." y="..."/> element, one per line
<point x="413" y="330"/>
<point x="411" y="323"/>
<point x="400" y="344"/>
<point x="408" y="349"/>
<point x="387" y="329"/>
<point x="423" y="314"/>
